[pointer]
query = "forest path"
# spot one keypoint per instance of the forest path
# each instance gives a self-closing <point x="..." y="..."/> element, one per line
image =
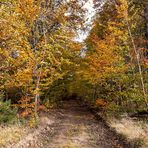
<point x="71" y="126"/>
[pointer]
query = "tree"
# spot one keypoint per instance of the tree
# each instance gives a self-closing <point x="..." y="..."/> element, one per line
<point x="112" y="53"/>
<point x="37" y="44"/>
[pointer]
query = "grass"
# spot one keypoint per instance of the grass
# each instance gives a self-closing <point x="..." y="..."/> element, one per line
<point x="136" y="131"/>
<point x="11" y="134"/>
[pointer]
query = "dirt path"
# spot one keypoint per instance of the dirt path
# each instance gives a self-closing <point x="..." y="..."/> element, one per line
<point x="71" y="126"/>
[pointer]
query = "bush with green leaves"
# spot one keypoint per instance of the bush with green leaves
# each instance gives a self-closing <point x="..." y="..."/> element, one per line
<point x="7" y="113"/>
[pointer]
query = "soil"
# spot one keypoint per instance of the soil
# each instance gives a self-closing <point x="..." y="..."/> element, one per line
<point x="70" y="126"/>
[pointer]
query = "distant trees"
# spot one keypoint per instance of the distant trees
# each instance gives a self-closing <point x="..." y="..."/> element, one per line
<point x="116" y="67"/>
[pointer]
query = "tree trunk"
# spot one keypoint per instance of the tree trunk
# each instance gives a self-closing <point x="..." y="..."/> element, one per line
<point x="146" y="17"/>
<point x="37" y="96"/>
<point x="138" y="62"/>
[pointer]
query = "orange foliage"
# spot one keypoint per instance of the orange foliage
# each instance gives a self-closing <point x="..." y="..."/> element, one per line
<point x="24" y="114"/>
<point x="43" y="108"/>
<point x="101" y="103"/>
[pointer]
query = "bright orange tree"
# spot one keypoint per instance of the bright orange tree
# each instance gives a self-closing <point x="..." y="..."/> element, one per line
<point x="105" y="54"/>
<point x="113" y="72"/>
<point x="37" y="44"/>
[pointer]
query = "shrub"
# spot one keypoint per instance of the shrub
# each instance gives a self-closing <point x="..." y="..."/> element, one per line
<point x="7" y="113"/>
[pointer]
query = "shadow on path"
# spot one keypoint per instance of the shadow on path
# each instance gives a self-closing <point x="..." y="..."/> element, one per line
<point x="71" y="126"/>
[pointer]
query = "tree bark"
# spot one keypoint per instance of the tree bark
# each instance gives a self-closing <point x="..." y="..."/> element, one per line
<point x="138" y="62"/>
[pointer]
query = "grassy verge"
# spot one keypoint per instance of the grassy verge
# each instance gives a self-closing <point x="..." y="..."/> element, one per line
<point x="132" y="131"/>
<point x="11" y="134"/>
<point x="135" y="131"/>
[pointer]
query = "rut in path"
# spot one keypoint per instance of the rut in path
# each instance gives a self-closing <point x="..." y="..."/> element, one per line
<point x="77" y="128"/>
<point x="74" y="126"/>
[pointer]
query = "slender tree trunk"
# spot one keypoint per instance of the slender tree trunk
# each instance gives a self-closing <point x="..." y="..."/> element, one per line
<point x="95" y="92"/>
<point x="138" y="62"/>
<point x="135" y="50"/>
<point x="146" y="29"/>
<point x="146" y="19"/>
<point x="37" y="95"/>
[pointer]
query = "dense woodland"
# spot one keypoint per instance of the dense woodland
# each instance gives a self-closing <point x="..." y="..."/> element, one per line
<point x="42" y="63"/>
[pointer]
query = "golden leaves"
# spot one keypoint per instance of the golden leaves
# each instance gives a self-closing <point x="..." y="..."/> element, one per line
<point x="28" y="9"/>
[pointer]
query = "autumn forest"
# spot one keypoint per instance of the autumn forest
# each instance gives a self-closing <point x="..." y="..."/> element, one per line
<point x="58" y="52"/>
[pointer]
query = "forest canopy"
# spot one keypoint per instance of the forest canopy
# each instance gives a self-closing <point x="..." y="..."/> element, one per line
<point x="41" y="63"/>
